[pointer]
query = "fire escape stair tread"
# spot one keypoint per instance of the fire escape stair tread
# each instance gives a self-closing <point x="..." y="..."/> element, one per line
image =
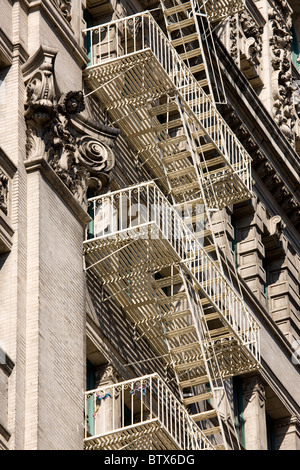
<point x="185" y="187"/>
<point x="184" y="348"/>
<point x="211" y="431"/>
<point x="204" y="415"/>
<point x="203" y="267"/>
<point x="190" y="54"/>
<point x="167" y="281"/>
<point x="193" y="382"/>
<point x="181" y="331"/>
<point x="175" y="315"/>
<point x="175" y="157"/>
<point x="188" y="365"/>
<point x="181" y="172"/>
<point x="197" y="398"/>
<point x="177" y="8"/>
<point x="184" y="39"/>
<point x="197" y="68"/>
<point x="180" y="24"/>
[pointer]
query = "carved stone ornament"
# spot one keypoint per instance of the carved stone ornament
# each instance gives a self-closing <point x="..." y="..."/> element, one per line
<point x="254" y="388"/>
<point x="65" y="8"/>
<point x="81" y="161"/>
<point x="3" y="192"/>
<point x="282" y="84"/>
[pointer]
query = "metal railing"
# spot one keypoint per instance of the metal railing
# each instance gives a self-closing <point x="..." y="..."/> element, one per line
<point x="132" y="404"/>
<point x="140" y="33"/>
<point x="124" y="213"/>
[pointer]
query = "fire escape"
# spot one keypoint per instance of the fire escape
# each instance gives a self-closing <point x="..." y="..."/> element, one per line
<point x="153" y="247"/>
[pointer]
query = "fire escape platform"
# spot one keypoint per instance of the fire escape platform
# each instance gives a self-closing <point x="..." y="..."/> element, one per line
<point x="125" y="261"/>
<point x="145" y="415"/>
<point x="146" y="88"/>
<point x="151" y="435"/>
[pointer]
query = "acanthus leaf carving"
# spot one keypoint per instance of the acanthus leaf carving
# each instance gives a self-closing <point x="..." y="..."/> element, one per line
<point x="80" y="161"/>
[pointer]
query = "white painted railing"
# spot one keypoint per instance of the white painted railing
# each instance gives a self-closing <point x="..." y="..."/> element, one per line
<point x="128" y="213"/>
<point x="140" y="33"/>
<point x="116" y="408"/>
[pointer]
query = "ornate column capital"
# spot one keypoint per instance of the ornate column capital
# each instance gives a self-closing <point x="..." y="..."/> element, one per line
<point x="254" y="388"/>
<point x="80" y="160"/>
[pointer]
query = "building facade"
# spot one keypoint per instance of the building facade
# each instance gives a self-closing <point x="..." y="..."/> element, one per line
<point x="149" y="225"/>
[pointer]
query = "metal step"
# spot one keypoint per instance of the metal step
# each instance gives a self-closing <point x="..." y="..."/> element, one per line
<point x="212" y="162"/>
<point x="204" y="415"/>
<point x="197" y="398"/>
<point x="172" y="298"/>
<point x="163" y="108"/>
<point x="197" y="68"/>
<point x="201" y="132"/>
<point x="181" y="172"/>
<point x="175" y="315"/>
<point x="181" y="331"/>
<point x="212" y="316"/>
<point x="180" y="24"/>
<point x="213" y="298"/>
<point x="189" y="54"/>
<point x="184" y="366"/>
<point x="202" y="267"/>
<point x="167" y="281"/>
<point x="184" y="39"/>
<point x="173" y="141"/>
<point x="184" y="348"/>
<point x="185" y="187"/>
<point x="207" y="147"/>
<point x="178" y="8"/>
<point x="176" y="157"/>
<point x="203" y="379"/>
<point x="211" y="431"/>
<point x="203" y="83"/>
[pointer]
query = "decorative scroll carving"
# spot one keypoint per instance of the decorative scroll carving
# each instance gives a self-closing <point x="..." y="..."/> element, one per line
<point x="253" y="37"/>
<point x="3" y="192"/>
<point x="81" y="161"/>
<point x="282" y="86"/>
<point x="233" y="24"/>
<point x="65" y="8"/>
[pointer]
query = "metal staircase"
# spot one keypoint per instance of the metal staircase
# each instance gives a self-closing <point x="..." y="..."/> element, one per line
<point x="153" y="247"/>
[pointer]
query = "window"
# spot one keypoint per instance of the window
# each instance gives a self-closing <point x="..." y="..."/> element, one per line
<point x="238" y="409"/>
<point x="295" y="49"/>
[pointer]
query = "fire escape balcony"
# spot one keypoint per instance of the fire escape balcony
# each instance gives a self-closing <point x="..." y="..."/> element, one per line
<point x="139" y="414"/>
<point x="174" y="127"/>
<point x="136" y="234"/>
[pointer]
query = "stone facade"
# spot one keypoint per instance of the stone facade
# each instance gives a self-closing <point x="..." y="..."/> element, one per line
<point x="58" y="147"/>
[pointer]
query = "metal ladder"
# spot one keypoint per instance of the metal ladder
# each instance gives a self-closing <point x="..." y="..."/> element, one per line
<point x="190" y="343"/>
<point x="190" y="33"/>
